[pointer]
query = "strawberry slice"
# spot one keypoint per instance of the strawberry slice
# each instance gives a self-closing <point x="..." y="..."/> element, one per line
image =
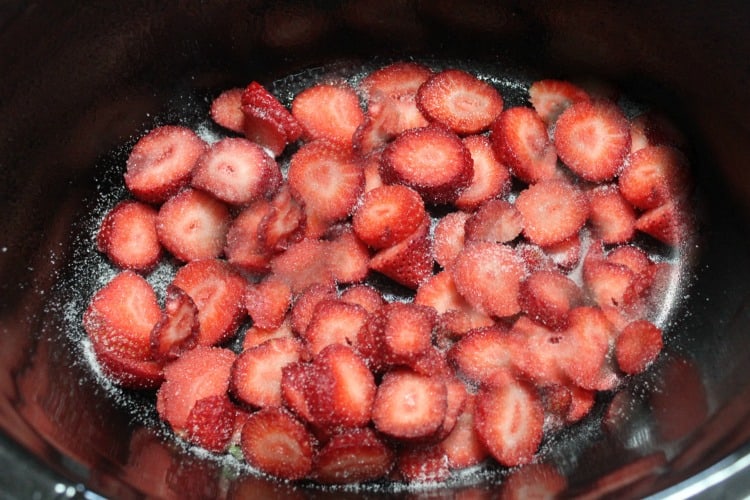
<point x="637" y="346"/>
<point x="668" y="223"/>
<point x="632" y="257"/>
<point x="278" y="444"/>
<point x="218" y="293"/>
<point x="485" y="354"/>
<point x="408" y="262"/>
<point x="210" y="423"/>
<point x="162" y="162"/>
<point x="303" y="264"/>
<point x="581" y="403"/>
<point x="284" y="224"/>
<point x="267" y="302"/>
<point x="256" y="373"/>
<point x="593" y="139"/>
<point x="495" y="221"/>
<point x="612" y="217"/>
<point x="541" y="355"/>
<point x="266" y="121"/>
<point x="551" y="97"/>
<point x="462" y="446"/>
<point x="428" y="464"/>
<point x="371" y="171"/>
<point x="129" y="373"/>
<point x="328" y="111"/>
<point x="226" y="110"/>
<point x="449" y="238"/>
<point x="566" y="254"/>
<point x="255" y="336"/>
<point x="587" y="342"/>
<point x="353" y="456"/>
<point x="306" y="302"/>
<point x="539" y="480"/>
<point x="334" y="322"/>
<point x="193" y="225"/>
<point x="396" y="80"/>
<point x="519" y="137"/>
<point x="552" y="211"/>
<point x="235" y="170"/>
<point x="128" y="236"/>
<point x="653" y="176"/>
<point x="431" y="160"/>
<point x="364" y="296"/>
<point x="328" y="181"/>
<point x="548" y="296"/>
<point x="387" y="215"/>
<point x="243" y="247"/>
<point x="348" y="256"/>
<point x="294" y="381"/>
<point x="535" y="257"/>
<point x="488" y="275"/>
<point x="177" y="330"/>
<point x="607" y="283"/>
<point x="491" y="178"/>
<point x="459" y="100"/>
<point x="408" y="405"/>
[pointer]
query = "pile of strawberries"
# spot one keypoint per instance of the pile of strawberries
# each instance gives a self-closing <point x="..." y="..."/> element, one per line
<point x="530" y="294"/>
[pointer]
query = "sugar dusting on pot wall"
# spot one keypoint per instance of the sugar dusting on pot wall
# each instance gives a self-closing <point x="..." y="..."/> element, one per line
<point x="79" y="80"/>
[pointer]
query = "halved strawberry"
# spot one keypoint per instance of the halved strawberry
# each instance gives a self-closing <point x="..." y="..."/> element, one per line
<point x="303" y="264"/>
<point x="334" y="322"/>
<point x="255" y="336"/>
<point x="364" y="296"/>
<point x="353" y="456"/>
<point x="409" y="405"/>
<point x="226" y="110"/>
<point x="244" y="247"/>
<point x="387" y="215"/>
<point x="424" y="464"/>
<point x="449" y="237"/>
<point x="539" y="480"/>
<point x="267" y="302"/>
<point x="235" y="170"/>
<point x="520" y="140"/>
<point x="431" y="160"/>
<point x="161" y="162"/>
<point x="460" y="101"/>
<point x="177" y="330"/>
<point x="552" y="211"/>
<point x="306" y="302"/>
<point x="327" y="180"/>
<point x="408" y="262"/>
<point x="490" y="179"/>
<point x="483" y="354"/>
<point x="668" y="223"/>
<point x="218" y="293"/>
<point x="284" y="224"/>
<point x="278" y="444"/>
<point x="463" y="446"/>
<point x="328" y="111"/>
<point x="488" y="275"/>
<point x="210" y="423"/>
<point x="193" y="225"/>
<point x="551" y="97"/>
<point x="587" y="342"/>
<point x="256" y="373"/>
<point x="348" y="257"/>
<point x="612" y="217"/>
<point x="637" y="346"/>
<point x="128" y="236"/>
<point x="547" y="296"/>
<point x="653" y="176"/>
<point x="509" y="419"/>
<point x="495" y="221"/>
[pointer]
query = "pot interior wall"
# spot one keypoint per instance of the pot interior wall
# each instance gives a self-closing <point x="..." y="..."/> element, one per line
<point x="80" y="80"/>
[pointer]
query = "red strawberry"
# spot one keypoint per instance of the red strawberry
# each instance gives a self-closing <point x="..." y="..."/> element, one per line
<point x="408" y="405"/>
<point x="637" y="346"/>
<point x="284" y="224"/>
<point x="193" y="225"/>
<point x="266" y="121"/>
<point x="431" y="160"/>
<point x="509" y="420"/>
<point x="653" y="176"/>
<point x="490" y="179"/>
<point x="487" y="275"/>
<point x="255" y="336"/>
<point x="353" y="456"/>
<point x="128" y="236"/>
<point x="654" y="129"/>
<point x="581" y="403"/>
<point x="348" y="257"/>
<point x="587" y="341"/>
<point x="423" y="464"/>
<point x="456" y="396"/>
<point x="519" y="137"/>
<point x="161" y="162"/>
<point x="565" y="254"/>
<point x="267" y="302"/>
<point x="256" y="373"/>
<point x="551" y="97"/>
<point x="593" y="139"/>
<point x="387" y="215"/>
<point x="177" y="330"/>
<point x="306" y="302"/>
<point x="632" y="257"/>
<point x="460" y="101"/>
<point x="364" y="296"/>
<point x="449" y="237"/>
<point x="534" y="257"/>
<point x="244" y="248"/>
<point x="552" y="211"/>
<point x="547" y="296"/>
<point x="667" y="223"/>
<point x="371" y="172"/>
<point x="408" y="262"/>
<point x="463" y="446"/>
<point x="294" y="382"/>
<point x="218" y="293"/>
<point x="226" y="110"/>
<point x="541" y="355"/>
<point x="372" y="136"/>
<point x="495" y="221"/>
<point x="482" y="354"/>
<point x="302" y="265"/>
<point x="210" y="423"/>
<point x="197" y="374"/>
<point x="327" y="181"/>
<point x="395" y="80"/>
<point x="278" y="444"/>
<point x="128" y="372"/>
<point x="607" y="283"/>
<point x="235" y="170"/>
<point x="537" y="480"/>
<point x="612" y="217"/>
<point x="328" y="111"/>
<point x="334" y="322"/>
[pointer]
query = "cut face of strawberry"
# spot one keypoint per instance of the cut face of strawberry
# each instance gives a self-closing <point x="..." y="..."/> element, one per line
<point x="612" y="217"/>
<point x="483" y="354"/>
<point x="210" y="423"/>
<point x="348" y="257"/>
<point x="243" y="247"/>
<point x="364" y="296"/>
<point x="226" y="110"/>
<point x="547" y="296"/>
<point x="410" y="261"/>
<point x="177" y="330"/>
<point x="637" y="346"/>
<point x="588" y="339"/>
<point x="128" y="236"/>
<point x="654" y="176"/>
<point x="552" y="212"/>
<point x="396" y="80"/>
<point x="306" y="302"/>
<point x="551" y="97"/>
<point x="334" y="322"/>
<point x="387" y="215"/>
<point x="284" y="225"/>
<point x="255" y="336"/>
<point x="462" y="447"/>
<point x="353" y="456"/>
<point x="266" y="121"/>
<point x="449" y="238"/>
<point x="328" y="111"/>
<point x="667" y="223"/>
<point x="490" y="179"/>
<point x="267" y="302"/>
<point x="302" y="265"/>
<point x="495" y="221"/>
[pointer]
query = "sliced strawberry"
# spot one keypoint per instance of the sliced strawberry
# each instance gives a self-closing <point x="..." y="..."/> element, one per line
<point x="552" y="211"/>
<point x="612" y="217"/>
<point x="218" y="293"/>
<point x="519" y="137"/>
<point x="371" y="172"/>
<point x="284" y="224"/>
<point x="373" y="134"/>
<point x="607" y="283"/>
<point x="449" y="237"/>
<point x="593" y="139"/>
<point x="548" y="296"/>
<point x="456" y="396"/>
<point x="334" y="322"/>
<point x="387" y="215"/>
<point x="197" y="374"/>
<point x="653" y="176"/>
<point x="266" y="121"/>
<point x="463" y="446"/>
<point x="328" y="181"/>
<point x="509" y="419"/>
<point x="226" y="110"/>
<point x="234" y="170"/>
<point x="410" y="261"/>
<point x="306" y="302"/>
<point x="353" y="456"/>
<point x="256" y="374"/>
<point x="193" y="225"/>
<point x="490" y="179"/>
<point x="408" y="405"/>
<point x="302" y="265"/>
<point x="667" y="223"/>
<point x="364" y="296"/>
<point x="328" y="111"/>
<point x="348" y="257"/>
<point x="244" y="248"/>
<point x="161" y="162"/>
<point x="460" y="101"/>
<point x="488" y="275"/>
<point x="128" y="236"/>
<point x="495" y="221"/>
<point x="542" y="353"/>
<point x="484" y="353"/>
<point x="267" y="302"/>
<point x="535" y="257"/>
<point x="395" y="80"/>
<point x="581" y="403"/>
<point x="294" y="382"/>
<point x="537" y="480"/>
<point x="431" y="160"/>
<point x="567" y="253"/>
<point x="177" y="330"/>
<point x="427" y="464"/>
<point x="587" y="342"/>
<point x="278" y="444"/>
<point x="255" y="336"/>
<point x="654" y="129"/>
<point x="557" y="400"/>
<point x="632" y="257"/>
<point x="637" y="346"/>
<point x="128" y="372"/>
<point x="551" y="97"/>
<point x="210" y="423"/>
